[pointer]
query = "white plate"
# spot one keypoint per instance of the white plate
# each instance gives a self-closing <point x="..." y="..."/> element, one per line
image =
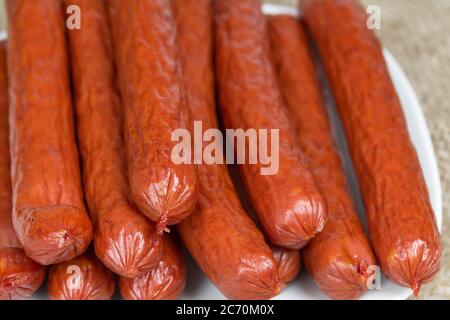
<point x="303" y="288"/>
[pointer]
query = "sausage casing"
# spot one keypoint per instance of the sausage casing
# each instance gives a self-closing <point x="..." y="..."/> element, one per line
<point x="48" y="210"/>
<point x="339" y="257"/>
<point x="165" y="281"/>
<point x="288" y="262"/>
<point x="144" y="34"/>
<point x="219" y="235"/>
<point x="125" y="240"/>
<point x="401" y="221"/>
<point x="20" y="276"/>
<point x="83" y="278"/>
<point x="288" y="204"/>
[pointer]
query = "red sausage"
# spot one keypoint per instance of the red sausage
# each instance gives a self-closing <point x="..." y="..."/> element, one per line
<point x="288" y="261"/>
<point x="125" y="240"/>
<point x="288" y="204"/>
<point x="165" y="281"/>
<point x="49" y="215"/>
<point x="144" y="34"/>
<point x="83" y="278"/>
<point x="20" y="276"/>
<point x="219" y="235"/>
<point x="339" y="257"/>
<point x="401" y="221"/>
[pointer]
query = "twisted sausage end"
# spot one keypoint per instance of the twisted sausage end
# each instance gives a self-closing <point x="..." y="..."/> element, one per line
<point x="130" y="246"/>
<point x="413" y="263"/>
<point x="166" y="196"/>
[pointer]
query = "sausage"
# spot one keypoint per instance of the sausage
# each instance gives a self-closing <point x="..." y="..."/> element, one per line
<point x="20" y="276"/>
<point x="219" y="235"/>
<point x="288" y="261"/>
<point x="83" y="278"/>
<point x="8" y="237"/>
<point x="401" y="222"/>
<point x="288" y="204"/>
<point x="144" y="34"/>
<point x="49" y="215"/>
<point x="339" y="257"/>
<point x="125" y="240"/>
<point x="165" y="281"/>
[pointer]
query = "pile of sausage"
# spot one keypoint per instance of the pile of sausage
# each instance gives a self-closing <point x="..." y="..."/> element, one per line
<point x="86" y="154"/>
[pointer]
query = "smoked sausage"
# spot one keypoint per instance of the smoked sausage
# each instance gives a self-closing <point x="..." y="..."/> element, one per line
<point x="401" y="222"/>
<point x="49" y="215"/>
<point x="339" y="257"/>
<point x="219" y="235"/>
<point x="288" y="204"/>
<point x="288" y="261"/>
<point x="144" y="34"/>
<point x="20" y="276"/>
<point x="125" y="240"/>
<point x="83" y="278"/>
<point x="165" y="281"/>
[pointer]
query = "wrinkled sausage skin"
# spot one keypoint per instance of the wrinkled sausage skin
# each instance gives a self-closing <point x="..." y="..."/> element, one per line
<point x="125" y="240"/>
<point x="288" y="262"/>
<point x="8" y="237"/>
<point x="401" y="221"/>
<point x="219" y="235"/>
<point x="288" y="204"/>
<point x="83" y="278"/>
<point x="165" y="281"/>
<point x="144" y="34"/>
<point x="48" y="210"/>
<point x="337" y="258"/>
<point x="20" y="276"/>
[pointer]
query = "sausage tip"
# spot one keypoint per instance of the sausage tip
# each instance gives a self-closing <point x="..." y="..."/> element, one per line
<point x="165" y="281"/>
<point x="416" y="288"/>
<point x="288" y="263"/>
<point x="128" y="253"/>
<point x="53" y="234"/>
<point x="344" y="278"/>
<point x="93" y="281"/>
<point x="161" y="225"/>
<point x="261" y="280"/>
<point x="20" y="276"/>
<point x="164" y="196"/>
<point x="414" y="263"/>
<point x="301" y="226"/>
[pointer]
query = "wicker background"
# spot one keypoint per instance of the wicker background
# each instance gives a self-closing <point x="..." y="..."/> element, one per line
<point x="416" y="32"/>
